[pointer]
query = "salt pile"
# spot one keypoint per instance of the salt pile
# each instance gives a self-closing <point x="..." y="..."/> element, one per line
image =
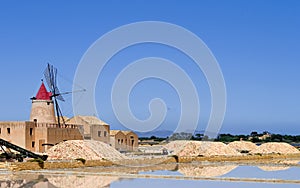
<point x="242" y="146"/>
<point x="151" y="149"/>
<point x="86" y="149"/>
<point x="275" y="147"/>
<point x="197" y="148"/>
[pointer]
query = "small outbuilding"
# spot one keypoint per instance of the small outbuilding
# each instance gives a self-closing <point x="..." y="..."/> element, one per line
<point x="124" y="140"/>
<point x="94" y="128"/>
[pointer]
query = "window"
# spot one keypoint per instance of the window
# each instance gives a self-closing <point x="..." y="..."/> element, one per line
<point x="104" y="133"/>
<point x="99" y="133"/>
<point x="0" y="130"/>
<point x="121" y="141"/>
<point x="8" y="130"/>
<point x="30" y="131"/>
<point x="118" y="141"/>
<point x="32" y="144"/>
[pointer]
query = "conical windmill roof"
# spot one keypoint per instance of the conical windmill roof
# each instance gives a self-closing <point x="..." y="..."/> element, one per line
<point x="43" y="94"/>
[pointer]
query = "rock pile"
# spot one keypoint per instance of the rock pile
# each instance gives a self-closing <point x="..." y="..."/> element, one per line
<point x="275" y="147"/>
<point x="86" y="149"/>
<point x="242" y="146"/>
<point x="197" y="148"/>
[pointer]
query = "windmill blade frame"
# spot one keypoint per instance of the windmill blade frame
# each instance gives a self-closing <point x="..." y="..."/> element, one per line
<point x="47" y="75"/>
<point x="50" y="75"/>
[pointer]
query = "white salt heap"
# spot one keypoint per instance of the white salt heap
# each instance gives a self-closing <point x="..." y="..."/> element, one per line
<point x="86" y="149"/>
<point x="242" y="146"/>
<point x="275" y="147"/>
<point x="197" y="148"/>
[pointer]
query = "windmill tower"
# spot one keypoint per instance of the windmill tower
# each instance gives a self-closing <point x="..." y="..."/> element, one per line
<point x="45" y="102"/>
<point x="42" y="109"/>
<point x="45" y="107"/>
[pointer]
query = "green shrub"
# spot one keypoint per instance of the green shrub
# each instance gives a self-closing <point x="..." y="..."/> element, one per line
<point x="81" y="159"/>
<point x="39" y="161"/>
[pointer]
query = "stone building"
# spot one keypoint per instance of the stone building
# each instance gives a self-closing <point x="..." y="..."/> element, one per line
<point x="131" y="140"/>
<point x="42" y="131"/>
<point x="117" y="140"/>
<point x="94" y="128"/>
<point x="42" y="107"/>
<point x="124" y="140"/>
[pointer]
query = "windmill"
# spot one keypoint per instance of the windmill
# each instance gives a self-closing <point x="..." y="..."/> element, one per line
<point x="45" y="107"/>
<point x="50" y="75"/>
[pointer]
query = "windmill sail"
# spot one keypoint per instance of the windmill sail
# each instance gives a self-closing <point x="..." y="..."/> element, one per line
<point x="47" y="75"/>
<point x="58" y="94"/>
<point x="50" y="75"/>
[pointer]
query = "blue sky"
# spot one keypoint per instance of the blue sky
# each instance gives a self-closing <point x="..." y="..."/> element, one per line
<point x="256" y="44"/>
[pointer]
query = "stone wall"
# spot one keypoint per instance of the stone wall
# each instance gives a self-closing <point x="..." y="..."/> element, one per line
<point x="132" y="141"/>
<point x="118" y="141"/>
<point x="32" y="135"/>
<point x="100" y="133"/>
<point x="13" y="132"/>
<point x="42" y="111"/>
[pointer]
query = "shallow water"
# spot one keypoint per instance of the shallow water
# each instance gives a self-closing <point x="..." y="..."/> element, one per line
<point x="292" y="173"/>
<point x="174" y="175"/>
<point x="194" y="183"/>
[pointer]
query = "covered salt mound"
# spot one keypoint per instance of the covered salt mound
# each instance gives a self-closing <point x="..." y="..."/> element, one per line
<point x="275" y="147"/>
<point x="199" y="148"/>
<point x="86" y="149"/>
<point x="242" y="146"/>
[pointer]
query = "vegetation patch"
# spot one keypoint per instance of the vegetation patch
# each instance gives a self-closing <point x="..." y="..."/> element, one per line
<point x="81" y="159"/>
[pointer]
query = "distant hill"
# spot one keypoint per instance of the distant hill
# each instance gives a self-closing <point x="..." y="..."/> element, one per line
<point x="163" y="133"/>
<point x="158" y="133"/>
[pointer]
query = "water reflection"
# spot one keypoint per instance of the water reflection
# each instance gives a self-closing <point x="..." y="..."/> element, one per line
<point x="205" y="171"/>
<point x="285" y="165"/>
<point x="22" y="181"/>
<point x="82" y="181"/>
<point x="120" y="175"/>
<point x="48" y="181"/>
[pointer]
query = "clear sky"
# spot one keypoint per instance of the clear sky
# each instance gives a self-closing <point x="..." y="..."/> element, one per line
<point x="256" y="44"/>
